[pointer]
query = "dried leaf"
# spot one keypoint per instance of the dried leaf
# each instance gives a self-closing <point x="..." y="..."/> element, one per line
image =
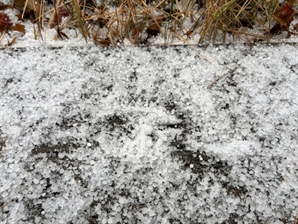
<point x="291" y="2"/>
<point x="284" y="15"/>
<point x="62" y="11"/>
<point x="9" y="43"/>
<point x="61" y="34"/>
<point x="29" y="8"/>
<point x="159" y="19"/>
<point x="189" y="33"/>
<point x="19" y="4"/>
<point x="3" y="7"/>
<point x="5" y="22"/>
<point x="19" y="28"/>
<point x="153" y="29"/>
<point x="276" y="29"/>
<point x="101" y="42"/>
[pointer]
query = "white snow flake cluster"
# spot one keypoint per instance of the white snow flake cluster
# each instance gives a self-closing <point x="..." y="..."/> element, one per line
<point x="133" y="135"/>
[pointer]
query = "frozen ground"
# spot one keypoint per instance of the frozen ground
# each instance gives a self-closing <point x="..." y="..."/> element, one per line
<point x="133" y="135"/>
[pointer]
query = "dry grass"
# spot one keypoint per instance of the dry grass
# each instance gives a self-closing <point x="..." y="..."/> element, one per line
<point x="116" y="22"/>
<point x="296" y="219"/>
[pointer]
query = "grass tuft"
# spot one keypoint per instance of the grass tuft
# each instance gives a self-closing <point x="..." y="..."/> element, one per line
<point x="135" y="22"/>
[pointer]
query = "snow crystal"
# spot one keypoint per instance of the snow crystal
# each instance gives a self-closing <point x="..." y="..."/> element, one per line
<point x="133" y="135"/>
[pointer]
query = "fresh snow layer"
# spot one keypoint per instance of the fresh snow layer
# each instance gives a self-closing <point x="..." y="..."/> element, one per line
<point x="133" y="135"/>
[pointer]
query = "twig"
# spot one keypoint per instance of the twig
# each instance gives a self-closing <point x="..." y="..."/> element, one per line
<point x="2" y="206"/>
<point x="230" y="71"/>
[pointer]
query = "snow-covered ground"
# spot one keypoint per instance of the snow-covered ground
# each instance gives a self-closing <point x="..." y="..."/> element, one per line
<point x="133" y="135"/>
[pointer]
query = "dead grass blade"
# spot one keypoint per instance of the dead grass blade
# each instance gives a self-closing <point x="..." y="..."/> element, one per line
<point x="79" y="17"/>
<point x="220" y="77"/>
<point x="114" y="22"/>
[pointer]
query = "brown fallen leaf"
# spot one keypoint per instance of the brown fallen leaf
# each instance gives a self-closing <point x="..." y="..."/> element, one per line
<point x="62" y="11"/>
<point x="189" y="33"/>
<point x="154" y="28"/>
<point x="20" y="5"/>
<point x="284" y="15"/>
<point x="5" y="22"/>
<point x="291" y="2"/>
<point x="30" y="8"/>
<point x="18" y="27"/>
<point x="3" y="7"/>
<point x="61" y="34"/>
<point x="9" y="43"/>
<point x="101" y="42"/>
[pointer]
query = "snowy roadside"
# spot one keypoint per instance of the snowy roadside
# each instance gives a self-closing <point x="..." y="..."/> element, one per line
<point x="130" y="135"/>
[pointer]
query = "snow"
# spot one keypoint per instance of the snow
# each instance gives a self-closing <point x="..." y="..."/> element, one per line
<point x="133" y="135"/>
